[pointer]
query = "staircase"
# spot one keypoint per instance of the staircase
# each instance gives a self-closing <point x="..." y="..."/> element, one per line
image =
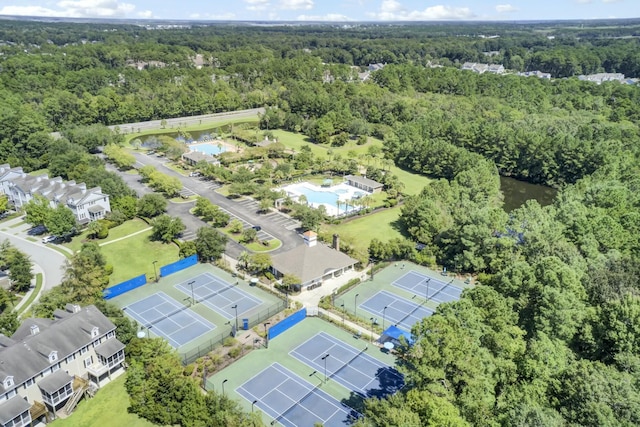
<point x="80" y="386"/>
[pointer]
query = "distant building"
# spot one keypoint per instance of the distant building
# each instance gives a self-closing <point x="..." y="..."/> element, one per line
<point x="536" y="73"/>
<point x="364" y="183"/>
<point x="192" y="158"/>
<point x="86" y="204"/>
<point x="483" y="68"/>
<point x="603" y="77"/>
<point x="313" y="262"/>
<point x="48" y="365"/>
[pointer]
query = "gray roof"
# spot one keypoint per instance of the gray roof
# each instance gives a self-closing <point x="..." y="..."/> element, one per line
<point x="109" y="348"/>
<point x="12" y="408"/>
<point x="55" y="381"/>
<point x="95" y="209"/>
<point x="66" y="335"/>
<point x="54" y="189"/>
<point x="197" y="156"/>
<point x="365" y="181"/>
<point x="309" y="263"/>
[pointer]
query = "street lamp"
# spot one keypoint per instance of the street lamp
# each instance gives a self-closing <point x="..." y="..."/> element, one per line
<point x="372" y="265"/>
<point x="155" y="270"/>
<point x="235" y="307"/>
<point x="193" y="298"/>
<point x="253" y="403"/>
<point x="355" y="306"/>
<point x="223" y="381"/>
<point x="342" y="305"/>
<point x="324" y="358"/>
<point x="427" y="296"/>
<point x="371" y="337"/>
<point x="266" y="335"/>
<point x="383" y="317"/>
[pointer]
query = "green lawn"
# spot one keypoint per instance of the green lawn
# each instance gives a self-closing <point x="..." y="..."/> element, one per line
<point x="118" y="232"/>
<point x="295" y="141"/>
<point x="359" y="232"/>
<point x="134" y="256"/>
<point x="108" y="408"/>
<point x="413" y="182"/>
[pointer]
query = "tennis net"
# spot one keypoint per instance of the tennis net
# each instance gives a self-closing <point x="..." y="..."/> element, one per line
<point x="410" y="313"/>
<point x="296" y="403"/>
<point x="218" y="292"/>
<point x="348" y="362"/>
<point x="442" y="289"/>
<point x="166" y="316"/>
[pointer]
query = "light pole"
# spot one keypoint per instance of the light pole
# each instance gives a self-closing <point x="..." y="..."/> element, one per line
<point x="223" y="381"/>
<point x="371" y="337"/>
<point x="383" y="317"/>
<point x="155" y="270"/>
<point x="193" y="298"/>
<point x="355" y="306"/>
<point x="427" y="296"/>
<point x="324" y="358"/>
<point x="342" y="305"/>
<point x="253" y="403"/>
<point x="266" y="335"/>
<point x="235" y="307"/>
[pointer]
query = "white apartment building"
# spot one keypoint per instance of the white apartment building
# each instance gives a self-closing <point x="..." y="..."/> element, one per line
<point x="86" y="204"/>
<point x="47" y="365"/>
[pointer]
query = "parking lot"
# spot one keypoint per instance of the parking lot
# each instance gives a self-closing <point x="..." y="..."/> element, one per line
<point x="274" y="217"/>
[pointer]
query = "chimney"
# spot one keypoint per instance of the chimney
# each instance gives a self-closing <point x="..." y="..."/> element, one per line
<point x="34" y="329"/>
<point x="336" y="242"/>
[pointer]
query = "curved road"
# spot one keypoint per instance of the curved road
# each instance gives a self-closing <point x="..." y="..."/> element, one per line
<point x="47" y="261"/>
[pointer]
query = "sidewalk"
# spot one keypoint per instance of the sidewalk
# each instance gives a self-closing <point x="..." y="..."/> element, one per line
<point x="365" y="332"/>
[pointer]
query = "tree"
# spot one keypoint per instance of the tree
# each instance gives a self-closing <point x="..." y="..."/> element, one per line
<point x="289" y="281"/>
<point x="166" y="228"/>
<point x="61" y="221"/>
<point x="259" y="262"/>
<point x="4" y="203"/>
<point x="187" y="249"/>
<point x="210" y="244"/>
<point x="248" y="235"/>
<point x="20" y="271"/>
<point x="37" y="210"/>
<point x="235" y="226"/>
<point x="152" y="205"/>
<point x="9" y="322"/>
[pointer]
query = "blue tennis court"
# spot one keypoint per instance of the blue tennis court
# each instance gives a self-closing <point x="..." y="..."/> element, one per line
<point x="169" y="319"/>
<point x="399" y="311"/>
<point x="293" y="402"/>
<point x="353" y="368"/>
<point x="429" y="287"/>
<point x="219" y="295"/>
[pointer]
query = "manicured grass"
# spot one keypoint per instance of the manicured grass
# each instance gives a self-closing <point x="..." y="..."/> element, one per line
<point x="359" y="232"/>
<point x="118" y="232"/>
<point x="33" y="294"/>
<point x="296" y="141"/>
<point x="17" y="224"/>
<point x="205" y="125"/>
<point x="107" y="408"/>
<point x="134" y="256"/>
<point x="259" y="247"/>
<point x="413" y="182"/>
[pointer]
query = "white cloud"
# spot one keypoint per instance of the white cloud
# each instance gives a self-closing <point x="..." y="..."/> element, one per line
<point x="331" y="17"/>
<point x="392" y="10"/>
<point x="610" y="1"/>
<point x="257" y="4"/>
<point x="145" y="14"/>
<point x="76" y="9"/>
<point x="583" y="1"/>
<point x="296" y="4"/>
<point x="505" y="8"/>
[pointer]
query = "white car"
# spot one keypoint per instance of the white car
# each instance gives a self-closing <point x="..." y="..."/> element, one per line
<point x="49" y="239"/>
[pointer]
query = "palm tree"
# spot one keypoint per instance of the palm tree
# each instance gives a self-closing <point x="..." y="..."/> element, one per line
<point x="243" y="259"/>
<point x="338" y="203"/>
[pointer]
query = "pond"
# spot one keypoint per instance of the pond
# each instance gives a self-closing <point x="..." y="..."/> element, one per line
<point x="517" y="192"/>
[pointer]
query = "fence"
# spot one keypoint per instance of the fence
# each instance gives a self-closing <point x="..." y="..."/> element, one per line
<point x="201" y="350"/>
<point x="287" y="323"/>
<point x="178" y="265"/>
<point x="124" y="287"/>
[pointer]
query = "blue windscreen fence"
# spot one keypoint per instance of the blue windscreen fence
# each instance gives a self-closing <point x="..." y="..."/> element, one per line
<point x="124" y="287"/>
<point x="287" y="323"/>
<point x="178" y="265"/>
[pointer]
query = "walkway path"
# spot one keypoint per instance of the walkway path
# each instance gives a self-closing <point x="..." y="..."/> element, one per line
<point x="125" y="237"/>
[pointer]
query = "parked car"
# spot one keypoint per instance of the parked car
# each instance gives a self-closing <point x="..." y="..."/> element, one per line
<point x="49" y="239"/>
<point x="257" y="227"/>
<point x="37" y="230"/>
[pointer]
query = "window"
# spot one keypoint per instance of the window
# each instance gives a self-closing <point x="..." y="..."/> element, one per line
<point x="88" y="361"/>
<point x="8" y="382"/>
<point x="84" y="350"/>
<point x="111" y="334"/>
<point x="53" y="356"/>
<point x="95" y="332"/>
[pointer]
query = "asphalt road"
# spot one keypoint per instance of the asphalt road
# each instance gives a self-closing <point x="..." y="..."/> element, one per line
<point x="49" y="261"/>
<point x="128" y="128"/>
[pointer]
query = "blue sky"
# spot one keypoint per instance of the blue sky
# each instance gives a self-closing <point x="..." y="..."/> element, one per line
<point x="327" y="10"/>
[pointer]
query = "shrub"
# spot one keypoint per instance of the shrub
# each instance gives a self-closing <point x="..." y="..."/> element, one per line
<point x="228" y="341"/>
<point x="188" y="370"/>
<point x="235" y="352"/>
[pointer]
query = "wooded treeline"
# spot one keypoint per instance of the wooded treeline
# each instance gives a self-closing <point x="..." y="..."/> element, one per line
<point x="552" y="335"/>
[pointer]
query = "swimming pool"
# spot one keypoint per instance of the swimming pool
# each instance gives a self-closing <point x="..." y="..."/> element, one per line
<point x="210" y="149"/>
<point x="335" y="199"/>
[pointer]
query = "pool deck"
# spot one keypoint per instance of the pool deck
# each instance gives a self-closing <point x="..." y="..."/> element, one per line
<point x="343" y="192"/>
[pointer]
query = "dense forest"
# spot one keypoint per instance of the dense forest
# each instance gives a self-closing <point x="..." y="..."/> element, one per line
<point x="551" y="337"/>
